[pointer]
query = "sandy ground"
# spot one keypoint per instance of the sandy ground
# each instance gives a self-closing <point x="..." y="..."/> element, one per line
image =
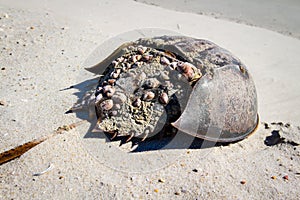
<point x="277" y="15"/>
<point x="44" y="48"/>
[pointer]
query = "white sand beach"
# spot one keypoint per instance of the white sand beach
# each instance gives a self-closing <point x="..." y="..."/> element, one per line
<point x="44" y="48"/>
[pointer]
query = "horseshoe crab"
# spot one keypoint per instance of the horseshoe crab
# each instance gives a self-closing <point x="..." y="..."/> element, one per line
<point x="164" y="84"/>
<point x="169" y="83"/>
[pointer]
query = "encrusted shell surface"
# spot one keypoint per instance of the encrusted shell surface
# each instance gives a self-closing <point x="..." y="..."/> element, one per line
<point x="176" y="81"/>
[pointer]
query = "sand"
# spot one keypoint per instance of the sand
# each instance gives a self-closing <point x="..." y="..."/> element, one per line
<point x="45" y="47"/>
<point x="278" y="15"/>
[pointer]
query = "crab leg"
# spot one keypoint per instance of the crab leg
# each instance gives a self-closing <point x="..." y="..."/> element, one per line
<point x="130" y="137"/>
<point x="114" y="135"/>
<point x="145" y="136"/>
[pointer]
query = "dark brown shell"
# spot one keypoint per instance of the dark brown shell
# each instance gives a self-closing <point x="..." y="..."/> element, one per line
<point x="222" y="105"/>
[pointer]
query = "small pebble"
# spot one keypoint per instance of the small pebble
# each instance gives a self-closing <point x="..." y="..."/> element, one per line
<point x="2" y="103"/>
<point x="266" y="125"/>
<point x="161" y="180"/>
<point x="273" y="177"/>
<point x="243" y="182"/>
<point x="3" y="68"/>
<point x="274" y="139"/>
<point x="183" y="190"/>
<point x="286" y="177"/>
<point x="156" y="190"/>
<point x="177" y="193"/>
<point x="195" y="170"/>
